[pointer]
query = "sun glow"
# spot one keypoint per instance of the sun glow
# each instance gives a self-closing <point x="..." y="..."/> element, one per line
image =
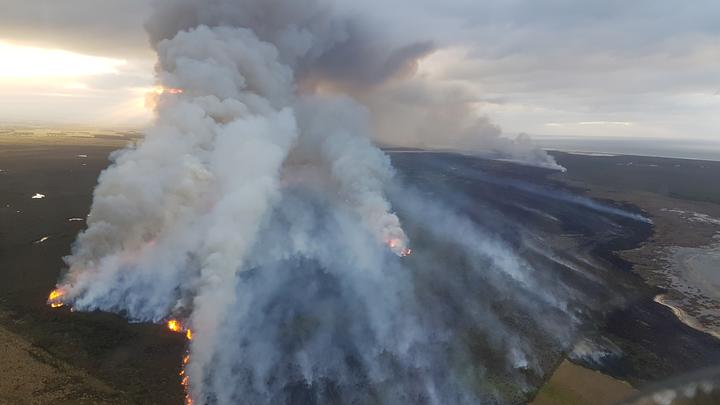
<point x="31" y="62"/>
<point x="60" y="86"/>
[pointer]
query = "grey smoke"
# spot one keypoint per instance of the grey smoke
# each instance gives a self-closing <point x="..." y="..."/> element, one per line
<point x="257" y="211"/>
<point x="308" y="35"/>
<point x="349" y="55"/>
<point x="559" y="195"/>
<point x="421" y="114"/>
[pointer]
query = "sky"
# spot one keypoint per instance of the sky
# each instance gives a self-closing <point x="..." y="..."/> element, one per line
<point x="549" y="68"/>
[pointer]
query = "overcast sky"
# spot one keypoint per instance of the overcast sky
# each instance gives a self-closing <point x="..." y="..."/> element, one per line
<point x="641" y="68"/>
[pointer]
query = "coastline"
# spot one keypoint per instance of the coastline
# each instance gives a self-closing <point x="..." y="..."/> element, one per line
<point x="81" y="340"/>
<point x="652" y="258"/>
<point x="683" y="316"/>
<point x="683" y="231"/>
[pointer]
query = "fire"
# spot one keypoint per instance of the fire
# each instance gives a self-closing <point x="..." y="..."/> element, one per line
<point x="174" y="325"/>
<point x="185" y="382"/>
<point x="158" y="90"/>
<point x="152" y="97"/>
<point x="178" y="327"/>
<point x="397" y="246"/>
<point x="54" y="299"/>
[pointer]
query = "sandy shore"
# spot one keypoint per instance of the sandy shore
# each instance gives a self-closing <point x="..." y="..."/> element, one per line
<point x="681" y="258"/>
<point x="693" y="284"/>
<point x="683" y="255"/>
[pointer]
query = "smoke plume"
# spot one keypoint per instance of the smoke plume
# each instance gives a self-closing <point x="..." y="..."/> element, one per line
<point x="351" y="56"/>
<point x="256" y="210"/>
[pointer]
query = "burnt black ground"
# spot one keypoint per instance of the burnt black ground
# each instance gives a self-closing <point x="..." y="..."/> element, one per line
<point x="656" y="344"/>
<point x="140" y="360"/>
<point x="143" y="360"/>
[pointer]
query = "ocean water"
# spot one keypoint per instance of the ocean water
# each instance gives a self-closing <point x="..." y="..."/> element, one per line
<point x="686" y="148"/>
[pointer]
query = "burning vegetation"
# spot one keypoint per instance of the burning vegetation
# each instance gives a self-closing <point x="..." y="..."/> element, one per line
<point x="185" y="381"/>
<point x="399" y="248"/>
<point x="153" y="96"/>
<point x="174" y="325"/>
<point x="206" y="182"/>
<point x="178" y="327"/>
<point x="54" y="299"/>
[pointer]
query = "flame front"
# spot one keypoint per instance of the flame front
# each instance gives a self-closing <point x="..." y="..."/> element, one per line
<point x="185" y="381"/>
<point x="178" y="327"/>
<point x="54" y="299"/>
<point x="174" y="325"/>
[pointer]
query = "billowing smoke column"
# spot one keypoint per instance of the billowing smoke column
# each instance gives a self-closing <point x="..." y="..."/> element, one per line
<point x="256" y="212"/>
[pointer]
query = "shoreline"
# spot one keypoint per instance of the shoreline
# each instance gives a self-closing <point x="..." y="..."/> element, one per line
<point x="635" y="254"/>
<point x="683" y="316"/>
<point x="83" y="340"/>
<point x="599" y="153"/>
<point x="682" y="230"/>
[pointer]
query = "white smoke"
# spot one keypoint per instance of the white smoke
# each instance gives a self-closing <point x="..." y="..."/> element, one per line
<point x="352" y="55"/>
<point x="256" y="212"/>
<point x="174" y="220"/>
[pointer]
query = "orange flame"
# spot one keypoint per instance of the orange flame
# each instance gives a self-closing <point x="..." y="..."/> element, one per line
<point x="54" y="299"/>
<point x="394" y="244"/>
<point x="166" y="90"/>
<point x="174" y="325"/>
<point x="177" y="326"/>
<point x="185" y="381"/>
<point x="152" y="97"/>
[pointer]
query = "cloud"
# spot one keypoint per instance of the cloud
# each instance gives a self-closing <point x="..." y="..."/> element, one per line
<point x="550" y="61"/>
<point x="110" y="28"/>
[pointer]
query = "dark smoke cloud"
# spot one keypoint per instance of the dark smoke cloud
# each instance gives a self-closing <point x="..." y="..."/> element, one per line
<point x="309" y="35"/>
